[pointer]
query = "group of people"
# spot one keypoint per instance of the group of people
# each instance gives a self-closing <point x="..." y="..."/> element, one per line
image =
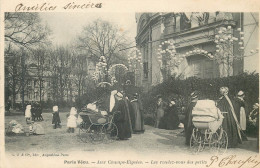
<point x="166" y="114"/>
<point x="234" y="111"/>
<point x="33" y="112"/>
<point x="128" y="114"/>
<point x="129" y="117"/>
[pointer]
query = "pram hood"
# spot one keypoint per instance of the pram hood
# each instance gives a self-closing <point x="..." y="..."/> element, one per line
<point x="205" y="115"/>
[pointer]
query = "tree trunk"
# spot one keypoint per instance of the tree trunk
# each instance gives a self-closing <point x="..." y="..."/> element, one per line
<point x="23" y="75"/>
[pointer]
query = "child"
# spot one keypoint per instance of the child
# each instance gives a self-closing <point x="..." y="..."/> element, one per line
<point x="28" y="114"/>
<point x="72" y="120"/>
<point x="56" y="117"/>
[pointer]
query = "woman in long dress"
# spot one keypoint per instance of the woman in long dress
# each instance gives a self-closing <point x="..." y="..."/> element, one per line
<point x="159" y="111"/>
<point x="230" y="123"/>
<point x="241" y="112"/>
<point x="171" y="117"/>
<point x="122" y="118"/>
<point x="138" y="111"/>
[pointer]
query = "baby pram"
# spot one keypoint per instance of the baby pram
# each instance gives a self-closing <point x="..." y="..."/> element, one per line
<point x="207" y="121"/>
<point x="96" y="127"/>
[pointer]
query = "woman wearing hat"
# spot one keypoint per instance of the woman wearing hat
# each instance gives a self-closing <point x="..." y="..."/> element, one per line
<point x="230" y="123"/>
<point x="159" y="113"/>
<point x="171" y="116"/>
<point x="122" y="118"/>
<point x="138" y="111"/>
<point x="241" y="111"/>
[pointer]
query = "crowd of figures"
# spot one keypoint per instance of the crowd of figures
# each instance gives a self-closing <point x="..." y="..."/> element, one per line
<point x="166" y="114"/>
<point x="129" y="116"/>
<point x="33" y="112"/>
<point x="234" y="111"/>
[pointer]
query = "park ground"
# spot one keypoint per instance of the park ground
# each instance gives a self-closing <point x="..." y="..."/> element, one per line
<point x="153" y="140"/>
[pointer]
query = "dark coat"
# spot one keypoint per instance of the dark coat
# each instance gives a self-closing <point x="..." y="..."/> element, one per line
<point x="171" y="118"/>
<point x="56" y="118"/>
<point x="139" y="117"/>
<point x="122" y="119"/>
<point x="229" y="124"/>
<point x="188" y="126"/>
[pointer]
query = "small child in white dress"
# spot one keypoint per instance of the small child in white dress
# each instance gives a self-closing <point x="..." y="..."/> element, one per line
<point x="72" y="120"/>
<point x="28" y="114"/>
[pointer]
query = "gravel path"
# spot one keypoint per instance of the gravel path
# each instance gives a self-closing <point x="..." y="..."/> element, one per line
<point x="58" y="140"/>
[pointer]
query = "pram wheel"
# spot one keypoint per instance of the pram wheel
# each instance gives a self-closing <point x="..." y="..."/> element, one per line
<point x="213" y="141"/>
<point x="222" y="142"/>
<point x="196" y="141"/>
<point x="83" y="132"/>
<point x="95" y="134"/>
<point x="110" y="131"/>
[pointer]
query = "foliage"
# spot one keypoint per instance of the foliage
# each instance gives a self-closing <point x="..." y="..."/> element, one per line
<point x="209" y="88"/>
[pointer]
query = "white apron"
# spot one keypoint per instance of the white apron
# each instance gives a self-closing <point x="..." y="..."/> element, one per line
<point x="243" y="118"/>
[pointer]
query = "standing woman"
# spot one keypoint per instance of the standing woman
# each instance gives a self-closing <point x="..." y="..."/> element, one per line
<point x="138" y="111"/>
<point x="122" y="119"/>
<point x="171" y="116"/>
<point x="160" y="106"/>
<point x="241" y="112"/>
<point x="230" y="123"/>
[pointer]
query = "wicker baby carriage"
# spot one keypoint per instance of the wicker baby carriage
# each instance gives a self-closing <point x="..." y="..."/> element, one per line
<point x="96" y="127"/>
<point x="207" y="121"/>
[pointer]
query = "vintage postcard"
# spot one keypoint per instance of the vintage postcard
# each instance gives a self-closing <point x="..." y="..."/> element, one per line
<point x="136" y="84"/>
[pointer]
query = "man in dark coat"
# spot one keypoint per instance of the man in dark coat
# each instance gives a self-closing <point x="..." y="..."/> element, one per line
<point x="188" y="125"/>
<point x="122" y="118"/>
<point x="138" y="125"/>
<point x="230" y="123"/>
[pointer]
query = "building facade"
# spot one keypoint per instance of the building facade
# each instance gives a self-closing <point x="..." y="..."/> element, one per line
<point x="190" y="41"/>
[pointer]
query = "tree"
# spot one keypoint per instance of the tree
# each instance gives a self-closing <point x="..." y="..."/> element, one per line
<point x="23" y="32"/>
<point x="102" y="38"/>
<point x="80" y="72"/>
<point x="61" y="68"/>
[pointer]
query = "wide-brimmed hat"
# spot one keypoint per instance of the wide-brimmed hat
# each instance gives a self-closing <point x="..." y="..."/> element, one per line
<point x="135" y="95"/>
<point x="240" y="93"/>
<point x="194" y="94"/>
<point x="172" y="102"/>
<point x="223" y="90"/>
<point x="119" y="94"/>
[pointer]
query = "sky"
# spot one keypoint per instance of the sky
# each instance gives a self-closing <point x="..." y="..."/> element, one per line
<point x="66" y="26"/>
